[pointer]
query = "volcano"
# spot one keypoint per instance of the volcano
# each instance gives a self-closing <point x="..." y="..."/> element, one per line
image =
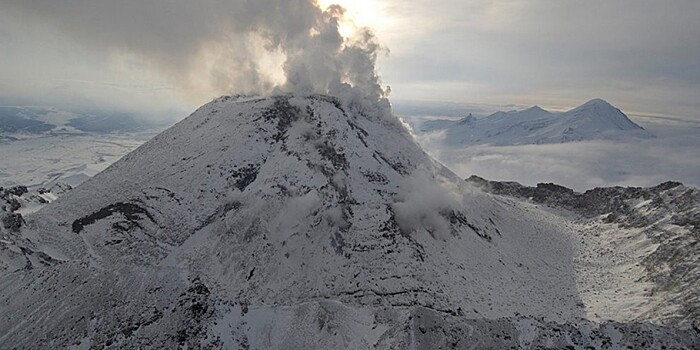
<point x="293" y="222"/>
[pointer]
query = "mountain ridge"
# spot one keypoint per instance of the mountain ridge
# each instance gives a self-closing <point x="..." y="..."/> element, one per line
<point x="595" y="119"/>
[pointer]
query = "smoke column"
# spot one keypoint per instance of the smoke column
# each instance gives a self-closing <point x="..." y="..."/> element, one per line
<point x="221" y="46"/>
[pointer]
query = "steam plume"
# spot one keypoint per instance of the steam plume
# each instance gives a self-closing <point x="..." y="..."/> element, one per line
<point x="212" y="47"/>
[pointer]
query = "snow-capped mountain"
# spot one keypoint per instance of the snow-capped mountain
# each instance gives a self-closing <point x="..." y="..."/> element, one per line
<point x="295" y="222"/>
<point x="595" y="119"/>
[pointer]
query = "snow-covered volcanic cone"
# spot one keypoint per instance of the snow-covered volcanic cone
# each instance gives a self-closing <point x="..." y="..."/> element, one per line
<point x="291" y="222"/>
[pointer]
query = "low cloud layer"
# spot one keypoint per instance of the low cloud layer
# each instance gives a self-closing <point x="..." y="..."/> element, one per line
<point x="672" y="155"/>
<point x="196" y="50"/>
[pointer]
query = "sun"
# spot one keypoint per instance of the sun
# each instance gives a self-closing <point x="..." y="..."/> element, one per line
<point x="361" y="13"/>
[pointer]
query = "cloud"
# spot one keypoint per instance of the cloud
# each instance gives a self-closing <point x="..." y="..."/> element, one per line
<point x="295" y="210"/>
<point x="424" y="202"/>
<point x="198" y="49"/>
<point x="640" y="54"/>
<point x="582" y="165"/>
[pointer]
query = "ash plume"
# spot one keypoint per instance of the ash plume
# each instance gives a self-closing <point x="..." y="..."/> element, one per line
<point x="214" y="47"/>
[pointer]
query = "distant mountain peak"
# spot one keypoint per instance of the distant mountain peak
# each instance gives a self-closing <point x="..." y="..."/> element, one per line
<point x="598" y="102"/>
<point x="535" y="108"/>
<point x="603" y="116"/>
<point x="595" y="119"/>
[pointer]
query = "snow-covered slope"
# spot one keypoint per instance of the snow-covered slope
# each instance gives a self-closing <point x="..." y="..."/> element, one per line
<point x="636" y="246"/>
<point x="292" y="222"/>
<point x="595" y="119"/>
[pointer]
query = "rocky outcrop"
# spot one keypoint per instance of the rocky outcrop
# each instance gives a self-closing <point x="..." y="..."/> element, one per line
<point x="11" y="221"/>
<point x="9" y="203"/>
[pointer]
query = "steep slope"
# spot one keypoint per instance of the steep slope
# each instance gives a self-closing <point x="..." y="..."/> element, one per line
<point x="595" y="119"/>
<point x="289" y="222"/>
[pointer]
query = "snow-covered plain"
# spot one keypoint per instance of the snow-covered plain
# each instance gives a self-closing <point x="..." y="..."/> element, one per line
<point x="296" y="222"/>
<point x="43" y="160"/>
<point x="40" y="146"/>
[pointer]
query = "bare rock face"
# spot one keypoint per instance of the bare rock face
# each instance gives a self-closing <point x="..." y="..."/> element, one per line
<point x="15" y="190"/>
<point x="9" y="198"/>
<point x="292" y="222"/>
<point x="9" y="203"/>
<point x="11" y="221"/>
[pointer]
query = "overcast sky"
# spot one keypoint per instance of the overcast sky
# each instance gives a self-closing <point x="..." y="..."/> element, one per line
<point x="641" y="55"/>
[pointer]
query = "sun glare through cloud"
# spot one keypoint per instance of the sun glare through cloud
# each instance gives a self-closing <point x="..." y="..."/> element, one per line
<point x="362" y="13"/>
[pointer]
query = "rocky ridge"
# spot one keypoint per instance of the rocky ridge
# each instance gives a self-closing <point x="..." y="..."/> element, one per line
<point x="667" y="215"/>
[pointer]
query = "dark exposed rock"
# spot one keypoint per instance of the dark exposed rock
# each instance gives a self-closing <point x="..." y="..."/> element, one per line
<point x="131" y="211"/>
<point x="15" y="190"/>
<point x="614" y="202"/>
<point x="459" y="219"/>
<point x="245" y="176"/>
<point x="375" y="177"/>
<point x="11" y="205"/>
<point x="14" y="198"/>
<point x="198" y="309"/>
<point x="60" y="188"/>
<point x="328" y="152"/>
<point x="284" y="113"/>
<point x="8" y="198"/>
<point x="11" y="221"/>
